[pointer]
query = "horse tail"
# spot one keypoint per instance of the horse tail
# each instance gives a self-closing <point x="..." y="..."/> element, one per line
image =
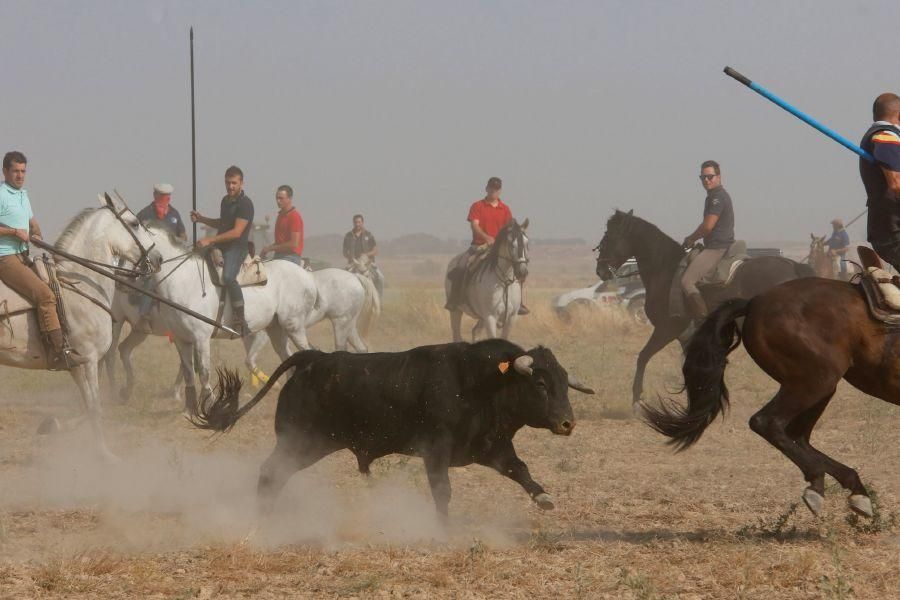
<point x="371" y="307"/>
<point x="223" y="412"/>
<point x="704" y="378"/>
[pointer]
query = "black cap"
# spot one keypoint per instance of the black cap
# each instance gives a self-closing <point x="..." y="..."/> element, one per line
<point x="494" y="183"/>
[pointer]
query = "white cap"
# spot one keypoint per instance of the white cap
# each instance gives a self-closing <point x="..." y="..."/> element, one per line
<point x="163" y="188"/>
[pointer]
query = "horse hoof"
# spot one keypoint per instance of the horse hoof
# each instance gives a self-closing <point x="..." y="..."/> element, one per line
<point x="637" y="410"/>
<point x="814" y="501"/>
<point x="48" y="426"/>
<point x="544" y="501"/>
<point x="861" y="505"/>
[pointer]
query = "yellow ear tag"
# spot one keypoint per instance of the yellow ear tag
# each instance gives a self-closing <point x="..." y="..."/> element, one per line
<point x="504" y="366"/>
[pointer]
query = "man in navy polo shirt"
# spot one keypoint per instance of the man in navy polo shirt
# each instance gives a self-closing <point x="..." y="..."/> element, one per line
<point x="882" y="178"/>
<point x="233" y="227"/>
<point x="838" y="244"/>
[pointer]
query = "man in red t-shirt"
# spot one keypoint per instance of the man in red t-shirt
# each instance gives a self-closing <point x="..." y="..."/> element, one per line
<point x="288" y="228"/>
<point x="486" y="218"/>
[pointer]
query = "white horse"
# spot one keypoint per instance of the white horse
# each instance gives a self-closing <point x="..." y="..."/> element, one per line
<point x="101" y="235"/>
<point x="493" y="292"/>
<point x="281" y="308"/>
<point x="349" y="301"/>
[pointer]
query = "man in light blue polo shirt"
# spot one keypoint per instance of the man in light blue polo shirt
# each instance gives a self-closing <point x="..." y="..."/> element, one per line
<point x="17" y="226"/>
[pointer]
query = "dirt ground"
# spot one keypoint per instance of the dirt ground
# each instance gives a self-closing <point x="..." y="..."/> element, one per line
<point x="633" y="520"/>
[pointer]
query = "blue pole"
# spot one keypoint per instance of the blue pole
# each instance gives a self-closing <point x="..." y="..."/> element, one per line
<point x="800" y="115"/>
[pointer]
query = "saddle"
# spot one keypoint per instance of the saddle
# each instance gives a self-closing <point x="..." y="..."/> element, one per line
<point x="720" y="277"/>
<point x="724" y="272"/>
<point x="12" y="303"/>
<point x="880" y="289"/>
<point x="253" y="270"/>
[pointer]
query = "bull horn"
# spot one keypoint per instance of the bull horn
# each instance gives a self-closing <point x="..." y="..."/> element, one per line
<point x="523" y="364"/>
<point x="577" y="385"/>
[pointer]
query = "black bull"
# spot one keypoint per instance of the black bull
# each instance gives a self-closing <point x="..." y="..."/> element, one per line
<point x="452" y="404"/>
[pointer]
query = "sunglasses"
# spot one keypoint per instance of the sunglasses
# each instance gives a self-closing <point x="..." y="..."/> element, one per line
<point x="707" y="177"/>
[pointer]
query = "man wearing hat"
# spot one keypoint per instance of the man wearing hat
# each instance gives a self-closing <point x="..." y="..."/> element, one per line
<point x="838" y="244"/>
<point x="486" y="218"/>
<point x="160" y="213"/>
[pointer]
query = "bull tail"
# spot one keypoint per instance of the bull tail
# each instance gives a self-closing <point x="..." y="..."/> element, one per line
<point x="704" y="378"/>
<point x="220" y="411"/>
<point x="371" y="305"/>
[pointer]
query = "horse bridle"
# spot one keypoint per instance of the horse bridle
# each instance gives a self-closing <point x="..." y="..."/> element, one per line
<point x="518" y="260"/>
<point x="143" y="266"/>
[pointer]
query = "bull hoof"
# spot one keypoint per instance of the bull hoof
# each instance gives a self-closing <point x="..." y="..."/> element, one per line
<point x="544" y="501"/>
<point x="814" y="501"/>
<point x="861" y="505"/>
<point x="48" y="426"/>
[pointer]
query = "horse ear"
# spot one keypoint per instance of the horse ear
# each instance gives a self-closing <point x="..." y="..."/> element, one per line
<point x="631" y="213"/>
<point x="525" y="225"/>
<point x="812" y="236"/>
<point x="109" y="201"/>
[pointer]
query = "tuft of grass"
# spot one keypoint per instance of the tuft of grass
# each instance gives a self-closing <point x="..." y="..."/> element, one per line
<point x="879" y="523"/>
<point x="777" y="527"/>
<point x="837" y="586"/>
<point x="638" y="583"/>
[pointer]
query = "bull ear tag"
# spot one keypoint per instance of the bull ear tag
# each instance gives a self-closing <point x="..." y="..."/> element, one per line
<point x="503" y="367"/>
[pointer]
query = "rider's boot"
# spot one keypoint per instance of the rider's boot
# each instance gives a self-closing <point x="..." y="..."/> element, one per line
<point x="697" y="307"/>
<point x="238" y="322"/>
<point x="62" y="358"/>
<point x="454" y="298"/>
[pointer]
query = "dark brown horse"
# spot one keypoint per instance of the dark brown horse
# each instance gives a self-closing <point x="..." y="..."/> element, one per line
<point x="658" y="257"/>
<point x="807" y="335"/>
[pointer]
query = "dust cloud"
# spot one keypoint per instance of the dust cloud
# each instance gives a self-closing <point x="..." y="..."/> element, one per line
<point x="163" y="497"/>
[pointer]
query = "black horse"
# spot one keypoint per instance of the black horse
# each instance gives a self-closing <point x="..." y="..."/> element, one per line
<point x="658" y="257"/>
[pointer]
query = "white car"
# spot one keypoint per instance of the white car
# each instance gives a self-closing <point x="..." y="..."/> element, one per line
<point x="624" y="292"/>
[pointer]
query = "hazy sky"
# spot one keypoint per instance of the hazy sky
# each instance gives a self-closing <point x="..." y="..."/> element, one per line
<point x="402" y="110"/>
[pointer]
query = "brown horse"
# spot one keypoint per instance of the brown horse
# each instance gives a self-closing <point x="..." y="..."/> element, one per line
<point x="807" y="335"/>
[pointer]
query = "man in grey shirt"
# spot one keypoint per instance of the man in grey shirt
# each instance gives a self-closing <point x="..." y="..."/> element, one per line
<point x="717" y="231"/>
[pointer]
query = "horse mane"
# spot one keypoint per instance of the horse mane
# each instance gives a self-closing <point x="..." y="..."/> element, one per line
<point x="660" y="247"/>
<point x="174" y="240"/>
<point x="68" y="235"/>
<point x="492" y="260"/>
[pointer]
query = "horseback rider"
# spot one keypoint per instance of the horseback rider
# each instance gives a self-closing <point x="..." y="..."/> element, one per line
<point x="160" y="213"/>
<point x="17" y="226"/>
<point x="838" y="244"/>
<point x="486" y="218"/>
<point x="717" y="231"/>
<point x="288" y="228"/>
<point x="882" y="178"/>
<point x="359" y="242"/>
<point x="232" y="237"/>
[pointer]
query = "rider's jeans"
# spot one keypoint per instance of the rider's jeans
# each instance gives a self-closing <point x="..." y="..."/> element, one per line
<point x="15" y="273"/>
<point x="233" y="256"/>
<point x="289" y="256"/>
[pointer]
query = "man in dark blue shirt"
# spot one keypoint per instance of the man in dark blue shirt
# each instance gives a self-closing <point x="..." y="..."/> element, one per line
<point x="233" y="227"/>
<point x="838" y="244"/>
<point x="160" y="212"/>
<point x="882" y="178"/>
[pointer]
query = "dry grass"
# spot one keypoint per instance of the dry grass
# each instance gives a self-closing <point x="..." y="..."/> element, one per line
<point x="632" y="520"/>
